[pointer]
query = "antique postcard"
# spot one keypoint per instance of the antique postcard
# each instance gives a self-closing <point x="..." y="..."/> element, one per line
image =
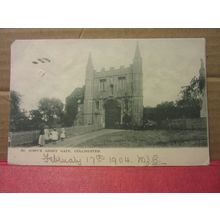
<point x="108" y="102"/>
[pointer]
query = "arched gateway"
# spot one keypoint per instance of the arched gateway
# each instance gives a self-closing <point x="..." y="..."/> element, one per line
<point x="112" y="114"/>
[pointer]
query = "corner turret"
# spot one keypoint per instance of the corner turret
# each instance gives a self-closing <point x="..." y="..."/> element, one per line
<point x="88" y="101"/>
<point x="89" y="67"/>
<point x="137" y="88"/>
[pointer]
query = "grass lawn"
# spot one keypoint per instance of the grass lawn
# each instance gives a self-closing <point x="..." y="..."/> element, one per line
<point x="150" y="138"/>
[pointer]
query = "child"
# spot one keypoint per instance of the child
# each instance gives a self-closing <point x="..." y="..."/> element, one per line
<point x="54" y="136"/>
<point x="9" y="139"/>
<point x="62" y="135"/>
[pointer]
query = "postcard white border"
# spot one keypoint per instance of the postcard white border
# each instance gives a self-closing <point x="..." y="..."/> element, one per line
<point x="157" y="156"/>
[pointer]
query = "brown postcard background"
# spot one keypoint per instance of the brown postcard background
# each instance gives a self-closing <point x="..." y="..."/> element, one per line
<point x="7" y="36"/>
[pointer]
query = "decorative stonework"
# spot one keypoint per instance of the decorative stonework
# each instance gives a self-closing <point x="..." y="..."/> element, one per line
<point x="123" y="85"/>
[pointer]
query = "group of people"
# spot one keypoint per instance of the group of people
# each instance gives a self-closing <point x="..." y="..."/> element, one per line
<point x="50" y="135"/>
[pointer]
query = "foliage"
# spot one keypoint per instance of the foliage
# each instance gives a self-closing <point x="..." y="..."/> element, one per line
<point x="191" y="98"/>
<point x="51" y="111"/>
<point x="166" y="110"/>
<point x="71" y="107"/>
<point x="36" y="121"/>
<point x="18" y="118"/>
<point x="15" y="99"/>
<point x="191" y="94"/>
<point x="162" y="111"/>
<point x="187" y="106"/>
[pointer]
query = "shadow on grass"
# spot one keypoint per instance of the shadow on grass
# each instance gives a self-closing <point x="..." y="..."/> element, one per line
<point x="150" y="138"/>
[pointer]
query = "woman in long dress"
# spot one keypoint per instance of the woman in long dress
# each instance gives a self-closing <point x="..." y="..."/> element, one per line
<point x="46" y="135"/>
<point x="41" y="140"/>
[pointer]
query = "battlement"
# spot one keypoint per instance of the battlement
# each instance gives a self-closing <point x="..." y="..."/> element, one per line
<point x="113" y="71"/>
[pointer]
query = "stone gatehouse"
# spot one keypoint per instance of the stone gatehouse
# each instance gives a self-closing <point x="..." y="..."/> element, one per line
<point x="113" y="97"/>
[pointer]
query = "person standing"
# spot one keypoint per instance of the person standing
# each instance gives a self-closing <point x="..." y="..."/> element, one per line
<point x="63" y="134"/>
<point x="41" y="140"/>
<point x="54" y="136"/>
<point x="9" y="138"/>
<point x="46" y="135"/>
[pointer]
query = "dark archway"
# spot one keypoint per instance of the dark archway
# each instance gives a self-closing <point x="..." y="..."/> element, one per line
<point x="112" y="114"/>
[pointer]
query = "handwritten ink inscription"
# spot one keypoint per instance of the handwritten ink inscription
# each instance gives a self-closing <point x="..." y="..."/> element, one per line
<point x="100" y="159"/>
<point x="119" y="160"/>
<point x="95" y="159"/>
<point x="55" y="159"/>
<point x="148" y="160"/>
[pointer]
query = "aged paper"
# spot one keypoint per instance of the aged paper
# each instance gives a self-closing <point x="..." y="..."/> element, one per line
<point x="136" y="102"/>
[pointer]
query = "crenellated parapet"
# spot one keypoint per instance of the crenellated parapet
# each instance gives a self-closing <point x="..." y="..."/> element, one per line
<point x="113" y="71"/>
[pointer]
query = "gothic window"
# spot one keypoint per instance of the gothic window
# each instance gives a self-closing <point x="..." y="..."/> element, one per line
<point x="122" y="82"/>
<point x="112" y="88"/>
<point x="97" y="105"/>
<point x="126" y="105"/>
<point x="102" y="84"/>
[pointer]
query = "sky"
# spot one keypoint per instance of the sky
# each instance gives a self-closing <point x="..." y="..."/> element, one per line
<point x="168" y="64"/>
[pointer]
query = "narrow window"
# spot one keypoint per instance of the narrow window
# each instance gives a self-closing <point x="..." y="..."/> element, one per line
<point x="97" y="105"/>
<point x="126" y="104"/>
<point x="112" y="88"/>
<point x="122" y="81"/>
<point x="102" y="84"/>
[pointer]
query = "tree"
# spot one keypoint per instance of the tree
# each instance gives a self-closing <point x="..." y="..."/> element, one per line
<point x="191" y="98"/>
<point x="36" y="121"/>
<point x="18" y="119"/>
<point x="166" y="110"/>
<point x="188" y="105"/>
<point x="71" y="107"/>
<point x="51" y="111"/>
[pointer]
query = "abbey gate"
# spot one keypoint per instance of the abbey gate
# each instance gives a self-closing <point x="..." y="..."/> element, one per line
<point x="113" y="97"/>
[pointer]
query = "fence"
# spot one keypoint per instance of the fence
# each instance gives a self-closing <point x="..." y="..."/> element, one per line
<point x="24" y="138"/>
<point x="29" y="138"/>
<point x="193" y="124"/>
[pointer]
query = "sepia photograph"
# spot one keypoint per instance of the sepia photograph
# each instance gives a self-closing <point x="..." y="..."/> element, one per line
<point x="123" y="102"/>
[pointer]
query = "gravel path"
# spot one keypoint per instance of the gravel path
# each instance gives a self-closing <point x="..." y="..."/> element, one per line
<point x="76" y="140"/>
